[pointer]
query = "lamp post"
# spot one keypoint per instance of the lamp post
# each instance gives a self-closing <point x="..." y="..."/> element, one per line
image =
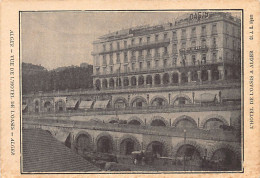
<point x="184" y="150"/>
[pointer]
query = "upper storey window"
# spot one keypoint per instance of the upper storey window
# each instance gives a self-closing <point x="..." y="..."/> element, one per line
<point x="203" y="42"/>
<point x="111" y="59"/>
<point x="165" y="35"/>
<point x="104" y="47"/>
<point x="193" y="32"/>
<point x="156" y="37"/>
<point x="104" y="60"/>
<point x="183" y="45"/>
<point x="118" y="45"/>
<point x="117" y="58"/>
<point x="133" y="41"/>
<point x="203" y="30"/>
<point x="125" y="44"/>
<point x="140" y="40"/>
<point x="111" y="46"/>
<point x="214" y="29"/>
<point x="183" y="33"/>
<point x="125" y="57"/>
<point x="148" y="39"/>
<point x="193" y="43"/>
<point x="174" y="35"/>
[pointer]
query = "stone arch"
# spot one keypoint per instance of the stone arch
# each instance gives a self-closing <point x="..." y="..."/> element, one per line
<point x="197" y="146"/>
<point x="48" y="105"/>
<point x="112" y="120"/>
<point x="218" y="146"/>
<point x="161" y="97"/>
<point x="138" y="97"/>
<point x="80" y="142"/>
<point x="181" y="95"/>
<point x="136" y="119"/>
<point x="221" y="118"/>
<point x="110" y="147"/>
<point x="184" y="117"/>
<point x="60" y="105"/>
<point x="165" y="146"/>
<point x="136" y="147"/>
<point x="118" y="99"/>
<point x="159" y="118"/>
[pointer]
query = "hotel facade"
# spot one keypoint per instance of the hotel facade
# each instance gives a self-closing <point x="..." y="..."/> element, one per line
<point x="172" y="89"/>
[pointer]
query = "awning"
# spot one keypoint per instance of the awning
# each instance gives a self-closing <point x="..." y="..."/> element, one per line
<point x="101" y="104"/>
<point x="85" y="104"/>
<point x="205" y="98"/>
<point x="71" y="103"/>
<point x="231" y="95"/>
<point x="62" y="136"/>
<point x="24" y="106"/>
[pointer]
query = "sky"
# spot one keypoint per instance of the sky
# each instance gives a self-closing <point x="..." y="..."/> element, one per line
<point x="58" y="39"/>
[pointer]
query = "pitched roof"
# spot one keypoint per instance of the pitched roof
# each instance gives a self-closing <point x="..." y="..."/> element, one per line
<point x="43" y="153"/>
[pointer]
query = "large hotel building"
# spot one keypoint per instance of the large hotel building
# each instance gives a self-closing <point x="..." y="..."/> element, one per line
<point x="172" y="89"/>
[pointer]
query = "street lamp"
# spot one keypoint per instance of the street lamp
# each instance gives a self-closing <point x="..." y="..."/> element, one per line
<point x="185" y="149"/>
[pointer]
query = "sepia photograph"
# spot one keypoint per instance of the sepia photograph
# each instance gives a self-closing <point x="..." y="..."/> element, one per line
<point x="141" y="91"/>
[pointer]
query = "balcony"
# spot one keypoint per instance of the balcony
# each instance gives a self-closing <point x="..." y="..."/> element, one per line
<point x="194" y="49"/>
<point x="151" y="44"/>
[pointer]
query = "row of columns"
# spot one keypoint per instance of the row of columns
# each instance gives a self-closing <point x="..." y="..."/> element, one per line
<point x="145" y="77"/>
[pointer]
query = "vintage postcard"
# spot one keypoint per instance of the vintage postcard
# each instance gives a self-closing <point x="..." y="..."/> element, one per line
<point x="138" y="88"/>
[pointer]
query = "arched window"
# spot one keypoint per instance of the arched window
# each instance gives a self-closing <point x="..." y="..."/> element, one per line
<point x="98" y="84"/>
<point x="213" y="123"/>
<point x="204" y="75"/>
<point x="166" y="79"/>
<point x="157" y="148"/>
<point x="159" y="102"/>
<point x="111" y="83"/>
<point x="104" y="83"/>
<point x="134" y="122"/>
<point x="158" y="122"/>
<point x="157" y="79"/>
<point x="139" y="103"/>
<point x="181" y="101"/>
<point x="149" y="80"/>
<point x="190" y="153"/>
<point x="47" y="106"/>
<point x="175" y="78"/>
<point x="184" y="78"/>
<point x="194" y="76"/>
<point x="126" y="81"/>
<point x="140" y="80"/>
<point x="105" y="144"/>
